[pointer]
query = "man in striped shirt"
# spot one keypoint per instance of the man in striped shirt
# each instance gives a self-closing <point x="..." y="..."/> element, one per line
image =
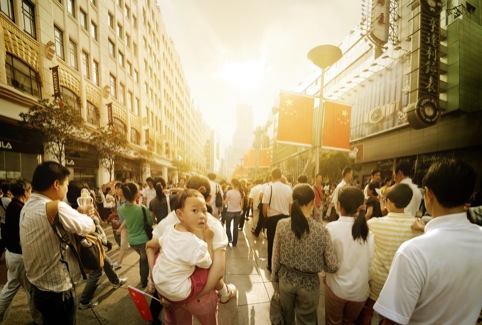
<point x="51" y="272"/>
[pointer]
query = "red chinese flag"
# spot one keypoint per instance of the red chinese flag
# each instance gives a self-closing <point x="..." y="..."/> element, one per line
<point x="336" y="126"/>
<point x="264" y="158"/>
<point x="250" y="159"/>
<point x="141" y="303"/>
<point x="295" y="119"/>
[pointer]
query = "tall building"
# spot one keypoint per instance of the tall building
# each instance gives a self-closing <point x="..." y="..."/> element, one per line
<point x="242" y="138"/>
<point x="108" y="52"/>
<point x="411" y="74"/>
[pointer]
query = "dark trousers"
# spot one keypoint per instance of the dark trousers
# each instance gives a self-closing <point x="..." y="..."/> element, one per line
<point x="261" y="223"/>
<point x="271" y="223"/>
<point x="156" y="309"/>
<point x="55" y="307"/>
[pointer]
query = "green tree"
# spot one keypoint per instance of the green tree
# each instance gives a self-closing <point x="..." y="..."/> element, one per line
<point x="58" y="123"/>
<point x="332" y="164"/>
<point x="111" y="145"/>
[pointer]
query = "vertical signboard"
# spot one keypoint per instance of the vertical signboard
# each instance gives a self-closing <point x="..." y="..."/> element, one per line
<point x="56" y="82"/>
<point x="427" y="109"/>
<point x="109" y="115"/>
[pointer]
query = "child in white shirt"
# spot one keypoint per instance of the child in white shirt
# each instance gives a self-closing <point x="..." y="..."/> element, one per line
<point x="181" y="269"/>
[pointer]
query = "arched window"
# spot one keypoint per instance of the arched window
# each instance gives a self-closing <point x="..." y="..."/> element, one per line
<point x="120" y="126"/>
<point x="93" y="116"/>
<point x="135" y="137"/>
<point x="70" y="98"/>
<point x="22" y="76"/>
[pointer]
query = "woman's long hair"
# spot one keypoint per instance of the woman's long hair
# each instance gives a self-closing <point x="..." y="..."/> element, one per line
<point x="303" y="194"/>
<point x="159" y="187"/>
<point x="130" y="190"/>
<point x="351" y="198"/>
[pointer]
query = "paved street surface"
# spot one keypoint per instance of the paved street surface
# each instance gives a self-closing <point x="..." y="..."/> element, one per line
<point x="245" y="267"/>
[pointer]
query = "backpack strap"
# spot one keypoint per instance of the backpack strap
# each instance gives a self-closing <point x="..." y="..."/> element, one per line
<point x="54" y="220"/>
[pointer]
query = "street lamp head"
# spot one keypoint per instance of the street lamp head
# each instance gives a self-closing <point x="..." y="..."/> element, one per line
<point x="324" y="56"/>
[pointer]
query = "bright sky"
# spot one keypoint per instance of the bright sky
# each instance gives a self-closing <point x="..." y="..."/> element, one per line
<point x="236" y="52"/>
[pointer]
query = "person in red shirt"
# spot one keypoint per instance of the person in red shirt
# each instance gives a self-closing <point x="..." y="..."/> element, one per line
<point x="318" y="188"/>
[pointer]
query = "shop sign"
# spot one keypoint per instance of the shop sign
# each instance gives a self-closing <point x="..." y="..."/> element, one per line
<point x="56" y="82"/>
<point x="6" y="145"/>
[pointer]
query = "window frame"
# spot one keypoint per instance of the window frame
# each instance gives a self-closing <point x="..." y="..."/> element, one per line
<point x="59" y="42"/>
<point x="13" y="67"/>
<point x="29" y="16"/>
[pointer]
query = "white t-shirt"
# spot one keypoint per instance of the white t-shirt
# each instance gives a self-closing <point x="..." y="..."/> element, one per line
<point x="180" y="253"/>
<point x="254" y="194"/>
<point x="233" y="199"/>
<point x="350" y="282"/>
<point x="436" y="278"/>
<point x="280" y="199"/>
<point x="414" y="204"/>
<point x="220" y="240"/>
<point x="149" y="194"/>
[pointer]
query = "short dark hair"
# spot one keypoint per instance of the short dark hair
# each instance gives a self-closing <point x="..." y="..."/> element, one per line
<point x="400" y="194"/>
<point x="47" y="173"/>
<point x="276" y="173"/>
<point x="375" y="170"/>
<point x="373" y="186"/>
<point x="403" y="166"/>
<point x="212" y="176"/>
<point x="302" y="179"/>
<point x="5" y="188"/>
<point x="452" y="181"/>
<point x="19" y="187"/>
<point x="149" y="179"/>
<point x="345" y="171"/>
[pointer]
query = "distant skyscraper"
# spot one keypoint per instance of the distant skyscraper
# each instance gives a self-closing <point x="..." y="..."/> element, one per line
<point x="243" y="135"/>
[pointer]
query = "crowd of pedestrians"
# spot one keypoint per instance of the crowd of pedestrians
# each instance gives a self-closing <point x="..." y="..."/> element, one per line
<point x="372" y="250"/>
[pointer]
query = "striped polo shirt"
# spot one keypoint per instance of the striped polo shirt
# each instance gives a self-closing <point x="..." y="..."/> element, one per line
<point x="389" y="233"/>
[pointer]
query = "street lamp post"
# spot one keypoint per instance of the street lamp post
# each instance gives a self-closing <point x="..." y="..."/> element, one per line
<point x="322" y="56"/>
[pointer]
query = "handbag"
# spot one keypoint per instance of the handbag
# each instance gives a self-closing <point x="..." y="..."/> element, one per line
<point x="275" y="310"/>
<point x="219" y="197"/>
<point x="147" y="226"/>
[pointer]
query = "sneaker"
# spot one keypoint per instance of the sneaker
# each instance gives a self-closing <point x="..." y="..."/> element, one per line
<point x="116" y="266"/>
<point x="91" y="304"/>
<point x="121" y="282"/>
<point x="232" y="291"/>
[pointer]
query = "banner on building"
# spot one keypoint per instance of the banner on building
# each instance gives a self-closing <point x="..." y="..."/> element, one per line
<point x="110" y="120"/>
<point x="295" y="119"/>
<point x="335" y="133"/>
<point x="56" y="82"/>
<point x="147" y="136"/>
<point x="257" y="158"/>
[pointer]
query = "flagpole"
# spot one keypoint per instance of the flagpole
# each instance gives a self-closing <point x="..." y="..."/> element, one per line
<point x="322" y="56"/>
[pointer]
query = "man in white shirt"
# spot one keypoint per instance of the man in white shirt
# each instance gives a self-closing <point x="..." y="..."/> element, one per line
<point x="375" y="176"/>
<point x="53" y="292"/>
<point x="435" y="278"/>
<point x="254" y="195"/>
<point x="400" y="175"/>
<point x="149" y="192"/>
<point x="347" y="175"/>
<point x="277" y="199"/>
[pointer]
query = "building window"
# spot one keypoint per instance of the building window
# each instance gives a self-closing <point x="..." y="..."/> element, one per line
<point x="6" y="6"/>
<point x="127" y="11"/>
<point x="122" y="94"/>
<point x="134" y="21"/>
<point x="128" y="40"/>
<point x="110" y="20"/>
<point x="21" y="76"/>
<point x="59" y="42"/>
<point x="120" y="30"/>
<point x="83" y="19"/>
<point x="129" y="68"/>
<point x="70" y="98"/>
<point x="85" y="64"/>
<point x="113" y="86"/>
<point x="136" y="76"/>
<point x="93" y="116"/>
<point x="136" y="106"/>
<point x="134" y="47"/>
<point x="28" y="12"/>
<point x="71" y="7"/>
<point x="120" y="59"/>
<point x="129" y="101"/>
<point x="93" y="30"/>
<point x="111" y="47"/>
<point x="119" y="126"/>
<point x="135" y="137"/>
<point x="92" y="2"/>
<point x="119" y="3"/>
<point x="73" y="55"/>
<point x="95" y="72"/>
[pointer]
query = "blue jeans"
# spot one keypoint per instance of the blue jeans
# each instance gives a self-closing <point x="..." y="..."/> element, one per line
<point x="143" y="264"/>
<point x="55" y="307"/>
<point x="93" y="281"/>
<point x="230" y="216"/>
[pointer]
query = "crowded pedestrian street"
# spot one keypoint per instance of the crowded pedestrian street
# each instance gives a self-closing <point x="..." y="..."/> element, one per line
<point x="245" y="267"/>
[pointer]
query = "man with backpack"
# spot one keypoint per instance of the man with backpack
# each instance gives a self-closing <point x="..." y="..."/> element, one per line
<point x="51" y="270"/>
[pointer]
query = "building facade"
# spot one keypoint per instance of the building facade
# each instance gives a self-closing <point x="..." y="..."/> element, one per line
<point x="108" y="53"/>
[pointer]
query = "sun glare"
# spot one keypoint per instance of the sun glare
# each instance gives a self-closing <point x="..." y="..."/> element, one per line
<point x="245" y="75"/>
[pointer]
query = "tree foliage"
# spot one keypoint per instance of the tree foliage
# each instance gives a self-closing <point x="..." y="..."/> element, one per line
<point x="57" y="122"/>
<point x="332" y="164"/>
<point x="110" y="145"/>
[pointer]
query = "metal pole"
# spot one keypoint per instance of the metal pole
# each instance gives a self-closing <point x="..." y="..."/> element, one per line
<point x="320" y="122"/>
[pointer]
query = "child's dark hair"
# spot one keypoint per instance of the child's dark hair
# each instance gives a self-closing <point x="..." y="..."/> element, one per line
<point x="184" y="195"/>
<point x="373" y="187"/>
<point x="400" y="194"/>
<point x="303" y="194"/>
<point x="350" y="198"/>
<point x="75" y="190"/>
<point x="159" y="187"/>
<point x="129" y="190"/>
